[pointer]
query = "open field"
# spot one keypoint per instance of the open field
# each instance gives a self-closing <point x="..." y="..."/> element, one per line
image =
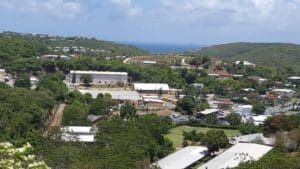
<point x="176" y="136"/>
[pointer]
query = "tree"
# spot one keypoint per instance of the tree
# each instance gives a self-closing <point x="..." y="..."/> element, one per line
<point x="214" y="140"/>
<point x="193" y="136"/>
<point x="277" y="123"/>
<point x="11" y="157"/>
<point x="259" y="108"/>
<point x="75" y="114"/>
<point x="212" y="119"/>
<point x="128" y="111"/>
<point x="54" y="84"/>
<point x="233" y="119"/>
<point x="248" y="128"/>
<point x="86" y="79"/>
<point x="186" y="104"/>
<point x="23" y="81"/>
<point x="101" y="105"/>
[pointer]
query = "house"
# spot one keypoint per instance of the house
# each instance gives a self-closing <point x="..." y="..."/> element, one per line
<point x="158" y="88"/>
<point x="78" y="134"/>
<point x="245" y="63"/>
<point x="258" y="120"/>
<point x="239" y="153"/>
<point x="183" y="158"/>
<point x="258" y="138"/>
<point x="243" y="110"/>
<point x="153" y="102"/>
<point x="284" y="92"/>
<point x="100" y="78"/>
<point x="207" y="112"/>
<point x="197" y="85"/>
<point x="119" y="97"/>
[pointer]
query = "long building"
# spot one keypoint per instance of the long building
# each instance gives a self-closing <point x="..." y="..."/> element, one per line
<point x="241" y="152"/>
<point x="100" y="78"/>
<point x="183" y="158"/>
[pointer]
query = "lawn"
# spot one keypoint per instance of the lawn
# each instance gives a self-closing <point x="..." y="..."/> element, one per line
<point x="176" y="136"/>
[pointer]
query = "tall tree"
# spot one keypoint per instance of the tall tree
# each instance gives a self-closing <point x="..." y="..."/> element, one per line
<point x="128" y="111"/>
<point x="214" y="140"/>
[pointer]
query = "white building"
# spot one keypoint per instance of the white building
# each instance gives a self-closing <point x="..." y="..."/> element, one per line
<point x="151" y="87"/>
<point x="284" y="92"/>
<point x="78" y="133"/>
<point x="100" y="78"/>
<point x="119" y="96"/>
<point x="254" y="138"/>
<point x="183" y="158"/>
<point x="243" y="110"/>
<point x="241" y="152"/>
<point x="245" y="63"/>
<point x="258" y="120"/>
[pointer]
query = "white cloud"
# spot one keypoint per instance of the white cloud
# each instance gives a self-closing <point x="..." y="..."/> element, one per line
<point x="55" y="8"/>
<point x="278" y="13"/>
<point x="128" y="7"/>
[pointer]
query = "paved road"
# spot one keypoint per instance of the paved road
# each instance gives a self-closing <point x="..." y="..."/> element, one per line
<point x="57" y="117"/>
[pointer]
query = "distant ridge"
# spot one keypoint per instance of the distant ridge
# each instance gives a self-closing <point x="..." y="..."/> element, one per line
<point x="270" y="54"/>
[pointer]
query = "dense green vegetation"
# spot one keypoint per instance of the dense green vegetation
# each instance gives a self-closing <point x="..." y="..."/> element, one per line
<point x="268" y="54"/>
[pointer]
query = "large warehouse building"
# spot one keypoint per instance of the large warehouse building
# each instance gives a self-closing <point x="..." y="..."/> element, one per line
<point x="100" y="78"/>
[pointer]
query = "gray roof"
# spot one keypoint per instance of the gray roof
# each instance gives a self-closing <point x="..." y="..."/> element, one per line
<point x="241" y="152"/>
<point x="182" y="158"/>
<point x="116" y="95"/>
<point x="258" y="137"/>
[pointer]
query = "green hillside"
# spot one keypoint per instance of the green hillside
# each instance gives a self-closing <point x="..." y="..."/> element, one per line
<point x="268" y="54"/>
<point x="47" y="41"/>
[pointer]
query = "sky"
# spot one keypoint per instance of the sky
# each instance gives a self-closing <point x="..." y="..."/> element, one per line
<point x="194" y="22"/>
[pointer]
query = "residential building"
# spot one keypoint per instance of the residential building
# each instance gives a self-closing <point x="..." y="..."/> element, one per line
<point x="245" y="63"/>
<point x="243" y="110"/>
<point x="183" y="158"/>
<point x="157" y="88"/>
<point x="239" y="153"/>
<point x="284" y="92"/>
<point x="258" y="120"/>
<point x="78" y="134"/>
<point x="258" y="138"/>
<point x="2" y="75"/>
<point x="100" y="78"/>
<point x="207" y="112"/>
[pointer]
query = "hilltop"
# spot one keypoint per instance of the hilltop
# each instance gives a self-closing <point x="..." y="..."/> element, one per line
<point x="58" y="44"/>
<point x="269" y="54"/>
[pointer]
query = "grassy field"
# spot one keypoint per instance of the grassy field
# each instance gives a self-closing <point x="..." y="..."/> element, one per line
<point x="176" y="136"/>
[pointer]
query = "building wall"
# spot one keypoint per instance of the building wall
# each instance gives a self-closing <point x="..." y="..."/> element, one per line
<point x="103" y="79"/>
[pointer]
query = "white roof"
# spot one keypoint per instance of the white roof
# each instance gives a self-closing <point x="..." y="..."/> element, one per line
<point x="294" y="78"/>
<point x="253" y="137"/>
<point x="241" y="152"/>
<point x="116" y="95"/>
<point x="80" y="138"/>
<point x="151" y="86"/>
<point x="77" y="129"/>
<point x="98" y="72"/>
<point x="260" y="118"/>
<point x="153" y="100"/>
<point x="182" y="158"/>
<point x="283" y="90"/>
<point x="2" y="70"/>
<point x="209" y="111"/>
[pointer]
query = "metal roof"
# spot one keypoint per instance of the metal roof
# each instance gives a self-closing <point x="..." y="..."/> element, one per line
<point x="98" y="72"/>
<point x="151" y="86"/>
<point x="182" y="158"/>
<point x="209" y="111"/>
<point x="241" y="152"/>
<point x="116" y="95"/>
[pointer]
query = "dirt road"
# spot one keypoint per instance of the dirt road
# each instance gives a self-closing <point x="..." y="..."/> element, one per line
<point x="57" y="117"/>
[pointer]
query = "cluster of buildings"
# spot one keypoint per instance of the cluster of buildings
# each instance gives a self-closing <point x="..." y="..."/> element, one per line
<point x="244" y="148"/>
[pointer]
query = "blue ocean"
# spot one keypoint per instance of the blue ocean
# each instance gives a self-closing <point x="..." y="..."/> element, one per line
<point x="165" y="48"/>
